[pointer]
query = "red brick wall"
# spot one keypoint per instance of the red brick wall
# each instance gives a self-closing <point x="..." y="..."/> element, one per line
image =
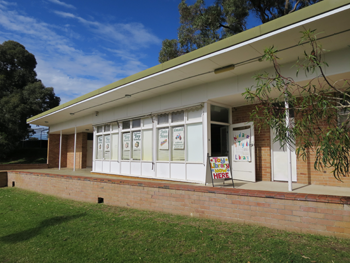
<point x="262" y="143"/>
<point x="325" y="215"/>
<point x="306" y="174"/>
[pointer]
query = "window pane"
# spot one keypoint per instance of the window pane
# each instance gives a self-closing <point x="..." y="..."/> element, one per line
<point x="136" y="123"/>
<point x="107" y="149"/>
<point x="136" y="145"/>
<point x="99" y="152"/>
<point x="194" y="143"/>
<point x="107" y="128"/>
<point x="126" y="125"/>
<point x="163" y="119"/>
<point x="177" y="116"/>
<point x="115" y="127"/>
<point x="163" y="144"/>
<point x="147" y="123"/>
<point x="126" y="146"/>
<point x="178" y="142"/>
<point x="147" y="145"/>
<point x="219" y="114"/>
<point x="99" y="129"/>
<point x="194" y="115"/>
<point x="115" y="148"/>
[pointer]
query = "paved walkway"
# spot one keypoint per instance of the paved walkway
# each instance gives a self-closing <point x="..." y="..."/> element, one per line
<point x="262" y="185"/>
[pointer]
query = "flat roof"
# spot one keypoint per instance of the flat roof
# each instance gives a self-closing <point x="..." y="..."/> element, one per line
<point x="290" y="19"/>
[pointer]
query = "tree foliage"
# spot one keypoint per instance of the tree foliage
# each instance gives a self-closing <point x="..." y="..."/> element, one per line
<point x="201" y="25"/>
<point x="22" y="95"/>
<point x="316" y="105"/>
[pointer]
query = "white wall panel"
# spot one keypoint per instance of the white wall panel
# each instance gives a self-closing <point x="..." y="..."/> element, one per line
<point x="125" y="167"/>
<point x="135" y="168"/>
<point x="105" y="166"/>
<point x="163" y="170"/>
<point x="147" y="170"/>
<point x="115" y="166"/>
<point x="196" y="172"/>
<point x="98" y="166"/>
<point x="178" y="171"/>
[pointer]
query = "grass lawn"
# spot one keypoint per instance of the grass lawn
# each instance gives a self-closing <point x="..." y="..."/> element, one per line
<point x="20" y="156"/>
<point x="40" y="228"/>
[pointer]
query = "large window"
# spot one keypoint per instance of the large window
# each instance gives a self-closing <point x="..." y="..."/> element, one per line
<point x="115" y="146"/>
<point x="178" y="143"/>
<point x="194" y="142"/>
<point x="147" y="143"/>
<point x="163" y="144"/>
<point x="178" y="138"/>
<point x="136" y="145"/>
<point x="99" y="151"/>
<point x="126" y="146"/>
<point x="107" y="147"/>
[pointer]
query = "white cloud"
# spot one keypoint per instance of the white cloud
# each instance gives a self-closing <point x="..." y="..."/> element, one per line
<point x="62" y="4"/>
<point x="71" y="70"/>
<point x="131" y="35"/>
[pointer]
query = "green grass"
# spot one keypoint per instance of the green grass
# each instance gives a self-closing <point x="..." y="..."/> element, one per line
<point x="26" y="156"/>
<point x="39" y="228"/>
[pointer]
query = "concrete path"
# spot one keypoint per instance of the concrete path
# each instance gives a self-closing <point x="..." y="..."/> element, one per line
<point x="262" y="185"/>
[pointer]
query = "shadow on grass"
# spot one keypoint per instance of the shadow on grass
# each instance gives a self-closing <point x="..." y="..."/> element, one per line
<point x="33" y="232"/>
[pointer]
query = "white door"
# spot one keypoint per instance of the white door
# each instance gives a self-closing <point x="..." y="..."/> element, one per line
<point x="243" y="168"/>
<point x="279" y="161"/>
<point x="89" y="153"/>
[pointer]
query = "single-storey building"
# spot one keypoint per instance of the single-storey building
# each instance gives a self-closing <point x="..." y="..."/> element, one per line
<point x="162" y="122"/>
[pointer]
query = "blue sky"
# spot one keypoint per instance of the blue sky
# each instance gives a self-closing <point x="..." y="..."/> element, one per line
<point x="84" y="45"/>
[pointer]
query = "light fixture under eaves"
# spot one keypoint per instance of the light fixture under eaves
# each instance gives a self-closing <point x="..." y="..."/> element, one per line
<point x="72" y="113"/>
<point x="128" y="96"/>
<point x="224" y="69"/>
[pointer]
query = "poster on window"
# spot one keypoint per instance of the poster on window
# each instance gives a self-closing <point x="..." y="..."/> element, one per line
<point x="220" y="167"/>
<point x="241" y="145"/>
<point x="126" y="141"/>
<point x="136" y="140"/>
<point x="178" y="138"/>
<point x="163" y="140"/>
<point x="99" y="147"/>
<point x="107" y="143"/>
<point x="100" y="143"/>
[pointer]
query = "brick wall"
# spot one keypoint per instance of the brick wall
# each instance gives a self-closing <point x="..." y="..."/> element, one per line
<point x="306" y="174"/>
<point x="67" y="156"/>
<point x="317" y="214"/>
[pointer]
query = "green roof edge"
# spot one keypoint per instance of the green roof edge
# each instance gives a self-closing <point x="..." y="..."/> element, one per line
<point x="300" y="15"/>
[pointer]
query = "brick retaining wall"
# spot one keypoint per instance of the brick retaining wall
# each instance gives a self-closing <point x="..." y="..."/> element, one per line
<point x="307" y="213"/>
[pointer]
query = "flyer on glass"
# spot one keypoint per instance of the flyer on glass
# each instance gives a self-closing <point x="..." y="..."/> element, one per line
<point x="126" y="141"/>
<point x="163" y="140"/>
<point x="136" y="140"/>
<point x="241" y="146"/>
<point x="178" y="138"/>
